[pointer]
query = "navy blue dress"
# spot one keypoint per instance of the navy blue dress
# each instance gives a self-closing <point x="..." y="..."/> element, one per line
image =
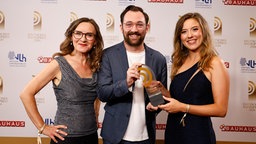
<point x="197" y="129"/>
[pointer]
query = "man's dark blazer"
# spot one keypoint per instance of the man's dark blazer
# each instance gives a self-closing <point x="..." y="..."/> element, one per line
<point x="113" y="89"/>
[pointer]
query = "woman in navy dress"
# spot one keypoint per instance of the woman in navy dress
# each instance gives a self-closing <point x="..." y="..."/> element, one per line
<point x="199" y="86"/>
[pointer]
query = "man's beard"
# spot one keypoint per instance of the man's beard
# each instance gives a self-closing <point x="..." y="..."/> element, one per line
<point x="137" y="43"/>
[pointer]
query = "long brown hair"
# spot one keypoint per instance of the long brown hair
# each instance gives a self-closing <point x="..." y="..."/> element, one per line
<point x="180" y="52"/>
<point x="95" y="53"/>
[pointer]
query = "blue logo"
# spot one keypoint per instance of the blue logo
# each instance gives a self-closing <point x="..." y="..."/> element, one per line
<point x="17" y="60"/>
<point x="248" y="66"/>
<point x="18" y="57"/>
<point x="249" y="63"/>
<point x="203" y="3"/>
<point x="49" y="121"/>
<point x="207" y="1"/>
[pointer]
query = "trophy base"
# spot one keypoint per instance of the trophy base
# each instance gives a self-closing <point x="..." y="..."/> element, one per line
<point x="156" y="99"/>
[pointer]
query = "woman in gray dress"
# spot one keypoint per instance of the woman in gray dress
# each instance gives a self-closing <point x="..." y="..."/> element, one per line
<point x="73" y="75"/>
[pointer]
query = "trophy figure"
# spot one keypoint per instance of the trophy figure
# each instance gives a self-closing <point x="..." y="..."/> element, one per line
<point x="154" y="94"/>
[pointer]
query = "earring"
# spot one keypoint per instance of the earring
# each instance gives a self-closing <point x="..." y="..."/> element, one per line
<point x="71" y="43"/>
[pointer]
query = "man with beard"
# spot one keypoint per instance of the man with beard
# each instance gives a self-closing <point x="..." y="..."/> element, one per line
<point x="129" y="116"/>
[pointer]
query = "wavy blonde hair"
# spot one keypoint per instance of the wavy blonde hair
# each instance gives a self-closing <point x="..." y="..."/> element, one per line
<point x="180" y="52"/>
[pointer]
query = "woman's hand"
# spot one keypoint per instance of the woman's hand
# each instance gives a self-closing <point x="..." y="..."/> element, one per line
<point x="172" y="105"/>
<point x="55" y="131"/>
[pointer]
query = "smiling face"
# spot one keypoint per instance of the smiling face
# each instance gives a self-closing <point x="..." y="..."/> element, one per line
<point x="82" y="44"/>
<point x="191" y="34"/>
<point x="134" y="28"/>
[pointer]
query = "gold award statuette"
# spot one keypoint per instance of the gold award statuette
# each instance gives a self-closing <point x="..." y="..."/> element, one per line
<point x="154" y="94"/>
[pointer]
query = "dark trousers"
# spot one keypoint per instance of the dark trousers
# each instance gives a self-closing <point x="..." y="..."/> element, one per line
<point x="90" y="139"/>
<point x="135" y="142"/>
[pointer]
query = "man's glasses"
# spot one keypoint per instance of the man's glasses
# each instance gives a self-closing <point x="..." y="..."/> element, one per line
<point x="79" y="35"/>
<point x="139" y="25"/>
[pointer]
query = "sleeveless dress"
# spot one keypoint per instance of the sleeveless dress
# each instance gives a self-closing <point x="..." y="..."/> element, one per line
<point x="197" y="129"/>
<point x="75" y="101"/>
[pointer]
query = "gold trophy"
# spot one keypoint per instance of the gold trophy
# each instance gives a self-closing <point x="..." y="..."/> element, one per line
<point x="154" y="94"/>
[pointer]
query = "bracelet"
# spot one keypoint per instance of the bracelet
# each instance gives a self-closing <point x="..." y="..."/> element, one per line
<point x="184" y="116"/>
<point x="187" y="108"/>
<point x="40" y="131"/>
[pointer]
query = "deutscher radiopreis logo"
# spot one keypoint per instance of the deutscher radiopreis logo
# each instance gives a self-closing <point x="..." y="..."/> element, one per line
<point x="252" y="27"/>
<point x="110" y="23"/>
<point x="1" y="85"/>
<point x="2" y="20"/>
<point x="252" y="90"/>
<point x="73" y="16"/>
<point x="3" y="35"/>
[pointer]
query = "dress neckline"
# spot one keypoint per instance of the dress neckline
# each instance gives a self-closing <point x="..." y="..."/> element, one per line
<point x="72" y="69"/>
<point x="192" y="67"/>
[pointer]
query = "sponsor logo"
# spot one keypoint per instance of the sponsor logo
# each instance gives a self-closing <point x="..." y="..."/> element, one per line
<point x="234" y="128"/>
<point x="5" y="123"/>
<point x="42" y="59"/>
<point x="49" y="121"/>
<point x="165" y="1"/>
<point x="17" y="59"/>
<point x="203" y="3"/>
<point x="240" y="2"/>
<point x="248" y="66"/>
<point x="160" y="126"/>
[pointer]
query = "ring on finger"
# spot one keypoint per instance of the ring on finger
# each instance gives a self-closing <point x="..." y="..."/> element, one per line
<point x="57" y="130"/>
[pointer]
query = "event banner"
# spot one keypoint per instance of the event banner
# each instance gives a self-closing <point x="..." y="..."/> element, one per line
<point x="32" y="30"/>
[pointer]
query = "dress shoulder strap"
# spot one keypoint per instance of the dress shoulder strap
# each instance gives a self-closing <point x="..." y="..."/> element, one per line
<point x="191" y="78"/>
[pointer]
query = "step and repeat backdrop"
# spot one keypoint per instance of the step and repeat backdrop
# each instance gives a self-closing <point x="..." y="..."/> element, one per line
<point x="32" y="30"/>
